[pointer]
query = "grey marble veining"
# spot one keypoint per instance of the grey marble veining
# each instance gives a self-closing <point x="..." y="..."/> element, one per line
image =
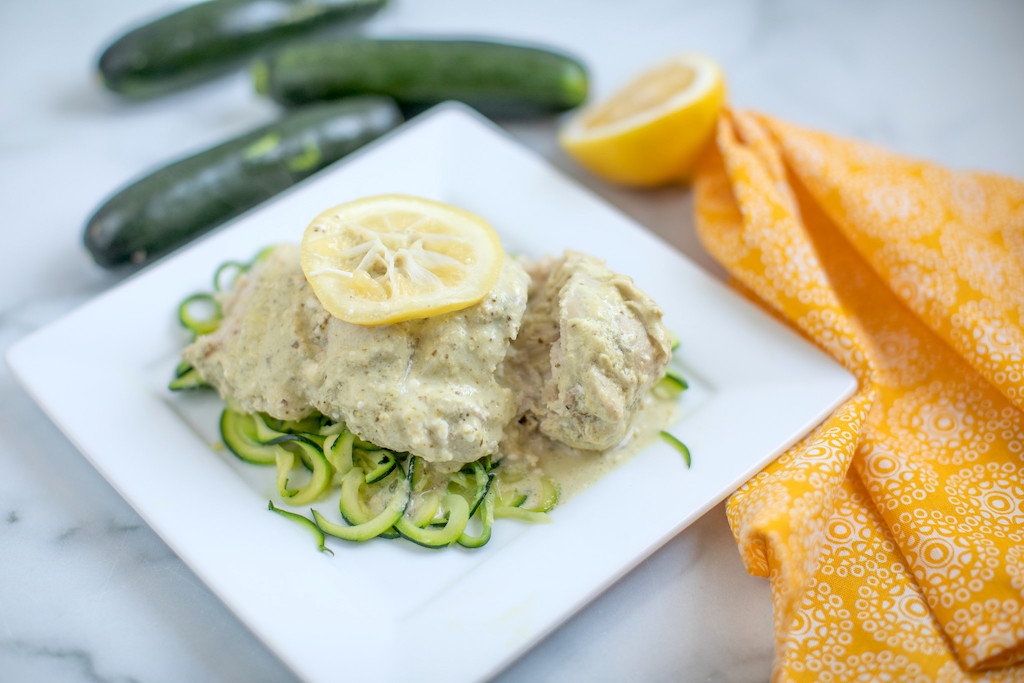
<point x="89" y="593"/>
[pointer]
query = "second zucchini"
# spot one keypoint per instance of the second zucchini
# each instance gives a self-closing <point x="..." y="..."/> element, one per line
<point x="499" y="79"/>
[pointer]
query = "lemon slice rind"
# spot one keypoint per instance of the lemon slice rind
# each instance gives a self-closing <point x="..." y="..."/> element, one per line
<point x="390" y="258"/>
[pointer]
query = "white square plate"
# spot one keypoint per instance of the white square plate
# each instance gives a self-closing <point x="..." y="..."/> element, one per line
<point x="392" y="610"/>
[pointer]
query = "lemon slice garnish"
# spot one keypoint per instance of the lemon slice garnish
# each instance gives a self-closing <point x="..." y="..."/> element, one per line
<point x="389" y="258"/>
<point x="653" y="130"/>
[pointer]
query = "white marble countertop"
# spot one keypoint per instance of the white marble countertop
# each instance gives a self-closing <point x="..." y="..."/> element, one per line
<point x="89" y="593"/>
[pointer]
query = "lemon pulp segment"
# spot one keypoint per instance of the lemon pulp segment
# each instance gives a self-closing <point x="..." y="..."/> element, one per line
<point x="649" y="91"/>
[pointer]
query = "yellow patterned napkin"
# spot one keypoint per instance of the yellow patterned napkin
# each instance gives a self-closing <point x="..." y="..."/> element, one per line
<point x="893" y="536"/>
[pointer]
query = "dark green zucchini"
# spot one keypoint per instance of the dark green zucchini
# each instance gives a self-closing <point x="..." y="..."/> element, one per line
<point x="186" y="378"/>
<point x="438" y="536"/>
<point x="383" y="463"/>
<point x="166" y="209"/>
<point x="305" y="522"/>
<point x="241" y="434"/>
<point x="299" y="450"/>
<point x="486" y="514"/>
<point x="372" y="528"/>
<point x="367" y="527"/>
<point x="671" y="385"/>
<point x="499" y="79"/>
<point x="207" y="39"/>
<point x="678" y="445"/>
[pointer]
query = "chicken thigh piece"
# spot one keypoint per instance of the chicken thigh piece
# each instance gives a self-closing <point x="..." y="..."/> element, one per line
<point x="591" y="345"/>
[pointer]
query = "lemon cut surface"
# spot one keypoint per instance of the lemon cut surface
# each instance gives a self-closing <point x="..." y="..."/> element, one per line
<point x="653" y="130"/>
<point x="389" y="258"/>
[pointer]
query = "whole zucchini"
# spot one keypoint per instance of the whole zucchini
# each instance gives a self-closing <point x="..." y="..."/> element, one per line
<point x="497" y="78"/>
<point x="166" y="209"/>
<point x="206" y="39"/>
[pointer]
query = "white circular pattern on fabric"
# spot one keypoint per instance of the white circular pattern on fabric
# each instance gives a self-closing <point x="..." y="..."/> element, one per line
<point x="990" y="345"/>
<point x="983" y="263"/>
<point x="899" y="210"/>
<point x="833" y="333"/>
<point x="916" y="275"/>
<point x="969" y="199"/>
<point x="946" y="419"/>
<point x="899" y="358"/>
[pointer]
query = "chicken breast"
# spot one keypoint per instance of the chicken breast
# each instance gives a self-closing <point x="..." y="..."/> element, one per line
<point x="429" y="387"/>
<point x="591" y="345"/>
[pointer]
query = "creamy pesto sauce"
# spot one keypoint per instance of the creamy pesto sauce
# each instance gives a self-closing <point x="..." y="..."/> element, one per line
<point x="547" y="399"/>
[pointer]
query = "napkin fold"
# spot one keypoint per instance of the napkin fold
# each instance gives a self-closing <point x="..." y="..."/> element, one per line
<point x="893" y="536"/>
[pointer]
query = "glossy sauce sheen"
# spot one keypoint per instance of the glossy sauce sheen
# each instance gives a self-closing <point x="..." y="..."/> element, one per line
<point x="573" y="470"/>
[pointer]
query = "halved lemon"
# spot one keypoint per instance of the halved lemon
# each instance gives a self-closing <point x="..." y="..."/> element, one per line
<point x="653" y="130"/>
<point x="389" y="258"/>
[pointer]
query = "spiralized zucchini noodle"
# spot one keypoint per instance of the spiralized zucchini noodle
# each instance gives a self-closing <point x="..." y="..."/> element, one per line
<point x="382" y="493"/>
